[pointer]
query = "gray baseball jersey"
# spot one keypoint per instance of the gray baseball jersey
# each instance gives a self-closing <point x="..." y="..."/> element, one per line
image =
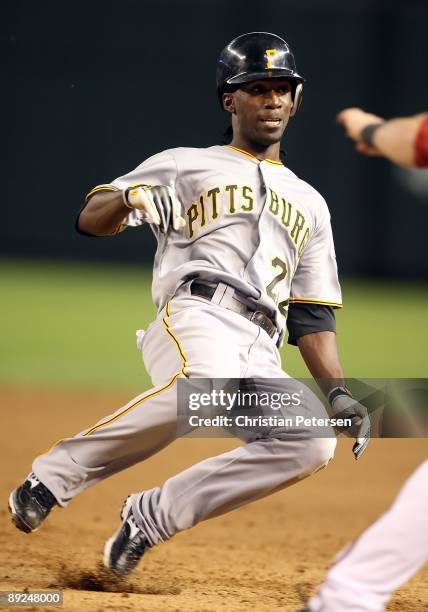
<point x="251" y="224"/>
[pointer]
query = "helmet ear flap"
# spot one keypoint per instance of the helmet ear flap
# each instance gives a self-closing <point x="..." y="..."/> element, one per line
<point x="297" y="99"/>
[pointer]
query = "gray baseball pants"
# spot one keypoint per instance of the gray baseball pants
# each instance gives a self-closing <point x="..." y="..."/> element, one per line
<point x="194" y="338"/>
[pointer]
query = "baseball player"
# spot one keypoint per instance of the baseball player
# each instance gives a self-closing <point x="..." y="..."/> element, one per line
<point x="365" y="575"/>
<point x="241" y="242"/>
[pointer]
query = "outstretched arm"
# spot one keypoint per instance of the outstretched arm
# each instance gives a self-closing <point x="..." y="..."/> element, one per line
<point x="395" y="139"/>
<point x="105" y="210"/>
<point x="103" y="214"/>
<point x="319" y="351"/>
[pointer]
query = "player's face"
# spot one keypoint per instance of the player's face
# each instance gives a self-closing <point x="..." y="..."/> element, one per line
<point x="262" y="110"/>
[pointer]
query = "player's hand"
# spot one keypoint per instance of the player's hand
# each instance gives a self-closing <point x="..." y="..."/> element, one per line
<point x="344" y="406"/>
<point x="354" y="120"/>
<point x="159" y="205"/>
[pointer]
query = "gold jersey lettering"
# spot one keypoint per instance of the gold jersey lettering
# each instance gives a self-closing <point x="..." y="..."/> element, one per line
<point x="201" y="202"/>
<point x="286" y="213"/>
<point x="231" y="190"/>
<point x="273" y="206"/>
<point x="213" y="193"/>
<point x="283" y="210"/>
<point x="192" y="215"/>
<point x="297" y="227"/>
<point x="247" y="194"/>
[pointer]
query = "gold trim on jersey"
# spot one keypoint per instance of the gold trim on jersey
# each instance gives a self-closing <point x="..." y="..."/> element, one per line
<point x="175" y="339"/>
<point x="250" y="155"/>
<point x="100" y="188"/>
<point x="314" y="301"/>
<point x="271" y="161"/>
<point x="140" y="401"/>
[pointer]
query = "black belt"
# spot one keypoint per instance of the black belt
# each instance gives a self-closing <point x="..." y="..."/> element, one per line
<point x="236" y="305"/>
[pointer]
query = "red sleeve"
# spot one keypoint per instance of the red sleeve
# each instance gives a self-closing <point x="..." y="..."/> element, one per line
<point x="421" y="145"/>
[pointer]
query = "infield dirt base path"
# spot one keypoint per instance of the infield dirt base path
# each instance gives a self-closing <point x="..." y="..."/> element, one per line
<point x="267" y="556"/>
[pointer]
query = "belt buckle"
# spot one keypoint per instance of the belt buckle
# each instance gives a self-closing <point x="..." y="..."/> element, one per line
<point x="262" y="320"/>
<point x="253" y="314"/>
<point x="259" y="318"/>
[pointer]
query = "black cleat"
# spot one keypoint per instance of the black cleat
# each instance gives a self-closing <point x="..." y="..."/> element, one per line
<point x="30" y="504"/>
<point x="125" y="548"/>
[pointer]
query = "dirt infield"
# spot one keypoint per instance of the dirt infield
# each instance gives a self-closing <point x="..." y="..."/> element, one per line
<point x="267" y="556"/>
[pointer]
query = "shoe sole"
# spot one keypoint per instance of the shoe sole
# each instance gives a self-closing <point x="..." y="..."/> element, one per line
<point x="16" y="519"/>
<point x="127" y="505"/>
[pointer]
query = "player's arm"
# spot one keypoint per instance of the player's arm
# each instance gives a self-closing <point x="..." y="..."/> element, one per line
<point x="103" y="214"/>
<point x="105" y="210"/>
<point x="320" y="353"/>
<point x="144" y="195"/>
<point x="402" y="140"/>
<point x="312" y="328"/>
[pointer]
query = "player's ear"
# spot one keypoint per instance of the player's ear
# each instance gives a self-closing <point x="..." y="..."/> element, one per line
<point x="228" y="102"/>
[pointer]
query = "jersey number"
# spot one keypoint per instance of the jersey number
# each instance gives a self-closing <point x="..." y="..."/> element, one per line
<point x="278" y="263"/>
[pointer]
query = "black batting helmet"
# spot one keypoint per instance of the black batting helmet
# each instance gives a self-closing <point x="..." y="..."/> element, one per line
<point x="257" y="55"/>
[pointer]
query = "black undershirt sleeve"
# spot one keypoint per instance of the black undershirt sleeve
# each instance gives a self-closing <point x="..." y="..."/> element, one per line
<point x="307" y="319"/>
